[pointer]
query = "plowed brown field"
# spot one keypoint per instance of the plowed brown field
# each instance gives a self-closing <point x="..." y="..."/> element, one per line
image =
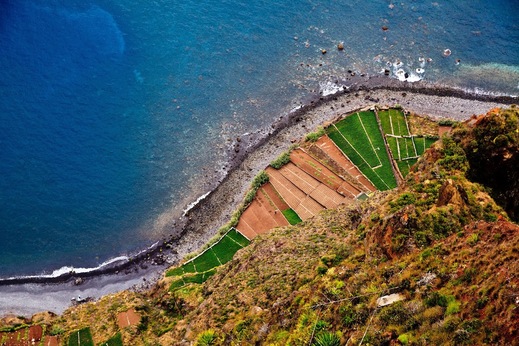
<point x="128" y="318"/>
<point x="327" y="145"/>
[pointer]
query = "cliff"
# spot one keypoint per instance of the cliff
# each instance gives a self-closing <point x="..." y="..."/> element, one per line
<point x="433" y="262"/>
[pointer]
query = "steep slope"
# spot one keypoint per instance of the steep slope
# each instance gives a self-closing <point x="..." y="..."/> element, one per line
<point x="433" y="262"/>
<point x="319" y="283"/>
<point x="491" y="143"/>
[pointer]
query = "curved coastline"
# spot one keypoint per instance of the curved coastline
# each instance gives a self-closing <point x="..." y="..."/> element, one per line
<point x="246" y="155"/>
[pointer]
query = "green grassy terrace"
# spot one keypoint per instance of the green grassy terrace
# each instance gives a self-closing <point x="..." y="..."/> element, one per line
<point x="200" y="268"/>
<point x="359" y="137"/>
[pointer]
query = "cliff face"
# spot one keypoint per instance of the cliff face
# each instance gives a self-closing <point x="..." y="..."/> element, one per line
<point x="491" y="143"/>
<point x="440" y="243"/>
<point x="434" y="262"/>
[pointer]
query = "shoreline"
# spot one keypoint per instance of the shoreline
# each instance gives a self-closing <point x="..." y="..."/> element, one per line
<point x="247" y="155"/>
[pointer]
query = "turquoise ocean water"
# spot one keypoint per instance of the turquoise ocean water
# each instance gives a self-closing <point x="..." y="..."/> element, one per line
<point x="115" y="114"/>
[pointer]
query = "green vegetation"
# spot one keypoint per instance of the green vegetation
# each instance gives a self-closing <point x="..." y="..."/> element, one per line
<point x="447" y="122"/>
<point x="492" y="151"/>
<point x="259" y="180"/>
<point x="282" y="160"/>
<point x="327" y="339"/>
<point x="440" y="242"/>
<point x="116" y="340"/>
<point x="314" y="136"/>
<point x="359" y="137"/>
<point x="238" y="237"/>
<point x="291" y="216"/>
<point x="206" y="338"/>
<point x="405" y="166"/>
<point x="82" y="337"/>
<point x="203" y="266"/>
<point x="393" y="122"/>
<point x="207" y="260"/>
<point x="405" y="147"/>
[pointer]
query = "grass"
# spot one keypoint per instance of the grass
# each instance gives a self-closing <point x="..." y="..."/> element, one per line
<point x="206" y="261"/>
<point x="359" y="137"/>
<point x="391" y="141"/>
<point x="82" y="337"/>
<point x="238" y="237"/>
<point x="393" y="122"/>
<point x="202" y="267"/>
<point x="116" y="340"/>
<point x="352" y="129"/>
<point x="197" y="278"/>
<point x="348" y="150"/>
<point x="405" y="166"/>
<point x="406" y="149"/>
<point x="291" y="216"/>
<point x="226" y="249"/>
<point x="219" y="253"/>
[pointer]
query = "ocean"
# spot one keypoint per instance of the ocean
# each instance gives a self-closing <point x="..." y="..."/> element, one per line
<point x="115" y="115"/>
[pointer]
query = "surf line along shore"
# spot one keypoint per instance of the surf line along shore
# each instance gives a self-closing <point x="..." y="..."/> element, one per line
<point x="247" y="156"/>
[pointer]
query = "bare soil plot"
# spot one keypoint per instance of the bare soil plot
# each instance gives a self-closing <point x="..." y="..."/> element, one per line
<point x="328" y="197"/>
<point x="128" y="318"/>
<point x="51" y="341"/>
<point x="299" y="178"/>
<point x="35" y="333"/>
<point x="315" y="169"/>
<point x="325" y="151"/>
<point x="26" y="336"/>
<point x="308" y="205"/>
<point x="259" y="217"/>
<point x="292" y="195"/>
<point x="16" y="338"/>
<point x="443" y="129"/>
<point x="271" y="209"/>
<point x="303" y="205"/>
<point x="318" y="191"/>
<point x="320" y="172"/>
<point x="244" y="228"/>
<point x="274" y="196"/>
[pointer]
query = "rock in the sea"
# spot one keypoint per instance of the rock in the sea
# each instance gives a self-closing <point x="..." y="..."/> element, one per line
<point x="323" y="51"/>
<point x="340" y="46"/>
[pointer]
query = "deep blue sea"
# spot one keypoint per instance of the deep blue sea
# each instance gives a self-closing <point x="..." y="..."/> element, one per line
<point x="114" y="113"/>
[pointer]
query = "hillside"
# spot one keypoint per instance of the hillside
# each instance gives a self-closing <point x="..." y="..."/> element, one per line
<point x="432" y="262"/>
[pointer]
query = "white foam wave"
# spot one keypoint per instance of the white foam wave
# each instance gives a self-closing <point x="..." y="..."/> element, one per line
<point x="67" y="269"/>
<point x="329" y="88"/>
<point x="407" y="76"/>
<point x="193" y="204"/>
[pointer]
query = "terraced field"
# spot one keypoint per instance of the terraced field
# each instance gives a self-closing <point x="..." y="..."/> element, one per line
<point x="200" y="268"/>
<point x="405" y="147"/>
<point x="359" y="138"/>
<point x="347" y="163"/>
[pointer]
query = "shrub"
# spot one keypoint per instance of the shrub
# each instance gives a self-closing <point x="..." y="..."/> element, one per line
<point x="56" y="330"/>
<point x="327" y="339"/>
<point x="404" y="199"/>
<point x="206" y="338"/>
<point x="436" y="299"/>
<point x="446" y="122"/>
<point x="403" y="339"/>
<point x="282" y="160"/>
<point x="473" y="239"/>
<point x="453" y="307"/>
<point x="314" y="136"/>
<point x="260" y="179"/>
<point x="143" y="324"/>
